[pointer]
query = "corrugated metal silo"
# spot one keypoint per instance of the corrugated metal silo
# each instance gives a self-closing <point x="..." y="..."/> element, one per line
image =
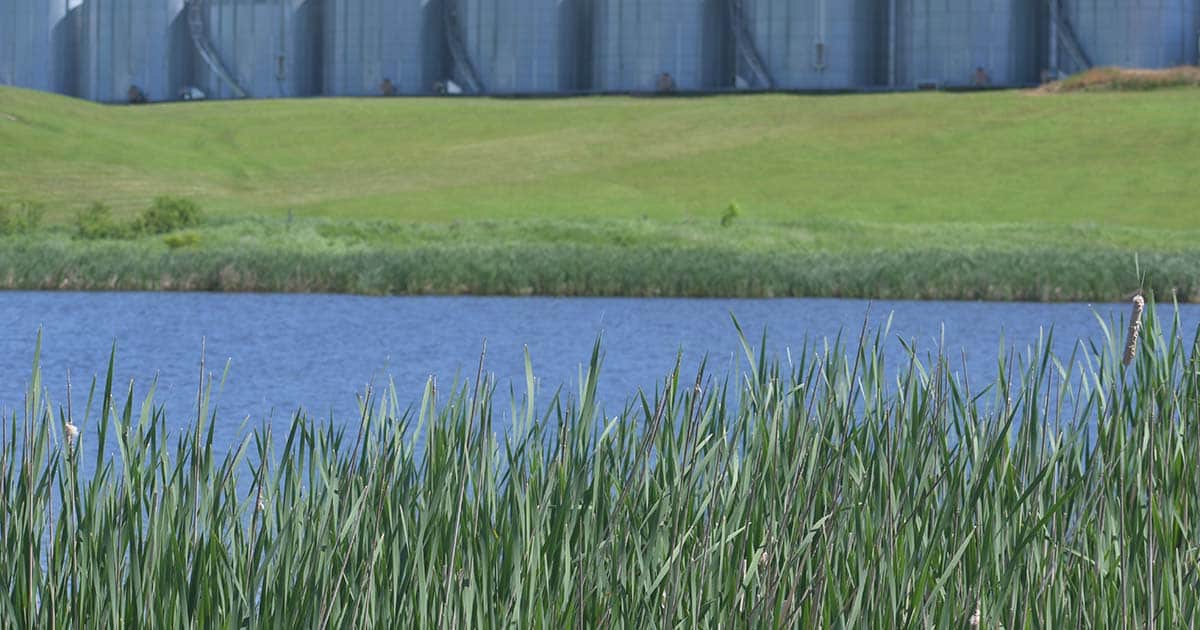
<point x="810" y="44"/>
<point x="369" y="41"/>
<point x="126" y="43"/>
<point x="36" y="44"/>
<point x="520" y="46"/>
<point x="267" y="47"/>
<point x="636" y="41"/>
<point x="1131" y="33"/>
<point x="946" y="42"/>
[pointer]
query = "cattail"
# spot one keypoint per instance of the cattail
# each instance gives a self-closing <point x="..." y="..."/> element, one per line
<point x="1135" y="328"/>
<point x="71" y="432"/>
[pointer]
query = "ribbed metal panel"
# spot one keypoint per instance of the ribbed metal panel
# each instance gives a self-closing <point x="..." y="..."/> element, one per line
<point x="522" y="45"/>
<point x="368" y="41"/>
<point x="946" y="41"/>
<point x="268" y="46"/>
<point x="816" y="44"/>
<point x="1135" y="33"/>
<point x="635" y="41"/>
<point x="36" y="44"/>
<point x="126" y="43"/>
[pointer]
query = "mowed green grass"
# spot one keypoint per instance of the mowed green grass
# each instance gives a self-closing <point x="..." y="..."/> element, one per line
<point x="990" y="159"/>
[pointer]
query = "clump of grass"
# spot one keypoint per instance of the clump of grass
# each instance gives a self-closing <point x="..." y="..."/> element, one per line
<point x="1127" y="79"/>
<point x="22" y="217"/>
<point x="181" y="239"/>
<point x="820" y="492"/>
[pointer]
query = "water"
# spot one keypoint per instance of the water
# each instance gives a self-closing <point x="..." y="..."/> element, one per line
<point x="316" y="352"/>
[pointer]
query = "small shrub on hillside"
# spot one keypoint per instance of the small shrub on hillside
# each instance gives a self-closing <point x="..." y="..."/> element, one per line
<point x="731" y="214"/>
<point x="96" y="222"/>
<point x="24" y="217"/>
<point x="168" y="214"/>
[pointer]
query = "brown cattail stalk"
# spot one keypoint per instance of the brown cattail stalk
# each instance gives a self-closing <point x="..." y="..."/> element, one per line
<point x="1135" y="328"/>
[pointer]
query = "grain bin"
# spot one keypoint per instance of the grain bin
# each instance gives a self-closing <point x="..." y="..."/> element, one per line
<point x="133" y="44"/>
<point x="368" y="42"/>
<point x="269" y="48"/>
<point x="519" y="46"/>
<point x="637" y="42"/>
<point x="1131" y="33"/>
<point x="809" y="44"/>
<point x="956" y="43"/>
<point x="37" y="45"/>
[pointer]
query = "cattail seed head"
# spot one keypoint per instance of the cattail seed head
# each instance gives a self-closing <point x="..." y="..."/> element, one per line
<point x="1135" y="328"/>
<point x="71" y="432"/>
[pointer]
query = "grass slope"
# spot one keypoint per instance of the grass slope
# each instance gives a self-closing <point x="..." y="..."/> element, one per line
<point x="1116" y="159"/>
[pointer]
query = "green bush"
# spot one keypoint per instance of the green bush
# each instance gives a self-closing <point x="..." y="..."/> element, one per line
<point x="96" y="222"/>
<point x="24" y="217"/>
<point x="168" y="214"/>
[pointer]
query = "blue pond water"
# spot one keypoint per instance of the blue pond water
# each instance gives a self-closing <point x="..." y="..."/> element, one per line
<point x="317" y="351"/>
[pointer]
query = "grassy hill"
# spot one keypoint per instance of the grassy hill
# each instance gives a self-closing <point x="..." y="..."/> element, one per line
<point x="846" y="176"/>
<point x="1117" y="158"/>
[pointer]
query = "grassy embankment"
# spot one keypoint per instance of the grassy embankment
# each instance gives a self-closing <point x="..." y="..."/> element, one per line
<point x="1010" y="195"/>
<point x="827" y="496"/>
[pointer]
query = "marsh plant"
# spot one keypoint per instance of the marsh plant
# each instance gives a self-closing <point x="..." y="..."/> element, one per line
<point x="837" y="488"/>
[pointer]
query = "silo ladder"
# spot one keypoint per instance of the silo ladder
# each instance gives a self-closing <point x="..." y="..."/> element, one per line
<point x="204" y="47"/>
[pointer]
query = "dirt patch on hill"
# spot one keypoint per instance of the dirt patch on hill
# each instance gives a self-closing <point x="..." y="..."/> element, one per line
<point x="1125" y="79"/>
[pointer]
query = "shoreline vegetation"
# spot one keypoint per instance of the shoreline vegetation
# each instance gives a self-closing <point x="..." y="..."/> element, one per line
<point x="1009" y="195"/>
<point x="817" y="492"/>
<point x="638" y="258"/>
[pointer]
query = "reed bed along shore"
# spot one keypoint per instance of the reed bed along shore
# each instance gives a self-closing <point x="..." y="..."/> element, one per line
<point x="615" y="258"/>
<point x="816" y="492"/>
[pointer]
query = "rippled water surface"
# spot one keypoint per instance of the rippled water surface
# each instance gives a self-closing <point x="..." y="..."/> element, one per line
<point x="317" y="351"/>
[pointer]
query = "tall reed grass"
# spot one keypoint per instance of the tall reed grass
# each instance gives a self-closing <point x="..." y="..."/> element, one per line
<point x="478" y="265"/>
<point x="838" y="488"/>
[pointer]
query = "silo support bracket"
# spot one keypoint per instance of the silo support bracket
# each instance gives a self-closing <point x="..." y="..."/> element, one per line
<point x="1066" y="36"/>
<point x="199" y="32"/>
<point x="744" y="40"/>
<point x="458" y="50"/>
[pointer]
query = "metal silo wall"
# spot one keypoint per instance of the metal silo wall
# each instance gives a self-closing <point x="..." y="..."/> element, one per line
<point x="367" y="41"/>
<point x="125" y="43"/>
<point x="1134" y="33"/>
<point x="35" y="45"/>
<point x="267" y="46"/>
<point x="944" y="41"/>
<point x="523" y="46"/>
<point x="635" y="41"/>
<point x="818" y="44"/>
